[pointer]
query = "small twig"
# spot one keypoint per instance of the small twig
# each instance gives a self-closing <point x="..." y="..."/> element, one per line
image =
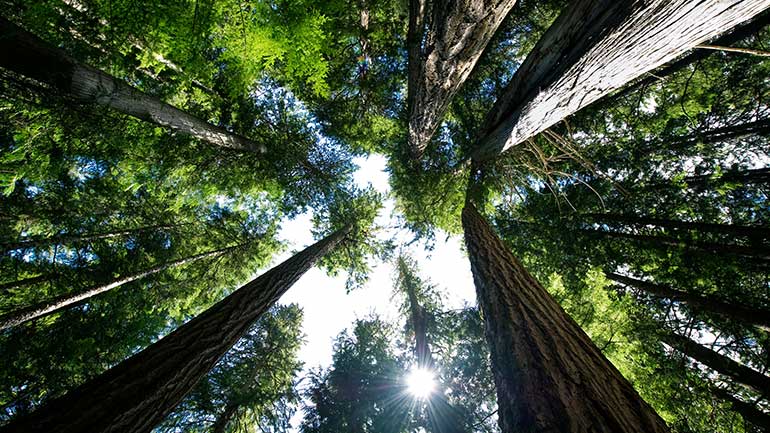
<point x="735" y="50"/>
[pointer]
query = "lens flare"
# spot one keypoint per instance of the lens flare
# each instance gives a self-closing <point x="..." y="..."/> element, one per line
<point x="420" y="382"/>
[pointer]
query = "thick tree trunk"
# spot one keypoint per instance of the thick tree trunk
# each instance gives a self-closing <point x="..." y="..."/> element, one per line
<point x="17" y="317"/>
<point x="740" y="33"/>
<point x="595" y="47"/>
<point x="549" y="376"/>
<point x="72" y="238"/>
<point x="442" y="50"/>
<point x="26" y="54"/>
<point x="138" y="393"/>
<point x="760" y="253"/>
<point x="748" y="411"/>
<point x="719" y="363"/>
<point x="753" y="232"/>
<point x="752" y="316"/>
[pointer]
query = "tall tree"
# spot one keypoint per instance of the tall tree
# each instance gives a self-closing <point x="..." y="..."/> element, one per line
<point x="138" y="393"/>
<point x="548" y="373"/>
<point x="593" y="49"/>
<point x="445" y="40"/>
<point x="28" y="55"/>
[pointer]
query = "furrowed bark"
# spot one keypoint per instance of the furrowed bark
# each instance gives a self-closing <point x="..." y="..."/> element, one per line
<point x="753" y="316"/>
<point x="754" y="232"/>
<point x="42" y="309"/>
<point x="595" y="47"/>
<point x="72" y="238"/>
<point x="748" y="411"/>
<point x="549" y="376"/>
<point x="27" y="55"/>
<point x="442" y="53"/>
<point x="138" y="393"/>
<point x="719" y="363"/>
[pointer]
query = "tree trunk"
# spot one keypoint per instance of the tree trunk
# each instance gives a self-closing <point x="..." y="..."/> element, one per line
<point x="719" y="135"/>
<point x="26" y="54"/>
<point x="46" y="308"/>
<point x="549" y="376"/>
<point x="719" y="363"/>
<point x="224" y="419"/>
<point x="5" y="287"/>
<point x="745" y="177"/>
<point x="738" y="34"/>
<point x="752" y="232"/>
<point x="595" y="47"/>
<point x="72" y="238"/>
<point x="442" y="52"/>
<point x="752" y="316"/>
<point x="748" y="411"/>
<point x="135" y="395"/>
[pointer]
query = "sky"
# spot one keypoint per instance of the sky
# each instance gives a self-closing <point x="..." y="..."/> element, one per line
<point x="328" y="309"/>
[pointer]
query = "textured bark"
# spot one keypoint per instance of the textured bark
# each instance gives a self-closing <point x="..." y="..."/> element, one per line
<point x="138" y="393"/>
<point x="46" y="308"/>
<point x="719" y="363"/>
<point x="26" y="54"/>
<point x="595" y="47"/>
<point x="753" y="316"/>
<point x="760" y="253"/>
<point x="445" y="40"/>
<point x="73" y="238"/>
<point x="738" y="34"/>
<point x="753" y="232"/>
<point x="748" y="411"/>
<point x="549" y="376"/>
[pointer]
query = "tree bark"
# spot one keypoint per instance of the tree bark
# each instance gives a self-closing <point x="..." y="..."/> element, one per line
<point x="224" y="419"/>
<point x="753" y="232"/>
<point x="26" y="54"/>
<point x="138" y="393"/>
<point x="595" y="47"/>
<point x="748" y="411"/>
<point x="549" y="376"/>
<point x="442" y="52"/>
<point x="71" y="238"/>
<point x="740" y="33"/>
<point x="46" y="308"/>
<point x="719" y="363"/>
<point x="753" y="316"/>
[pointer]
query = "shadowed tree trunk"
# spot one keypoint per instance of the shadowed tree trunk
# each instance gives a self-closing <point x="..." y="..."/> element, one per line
<point x="444" y="42"/>
<point x="755" y="232"/>
<point x="719" y="363"/>
<point x="752" y="316"/>
<point x="748" y="411"/>
<point x="745" y="177"/>
<point x="26" y="54"/>
<point x="5" y="287"/>
<point x="17" y="317"/>
<point x="224" y="418"/>
<point x="595" y="47"/>
<point x="443" y="417"/>
<point x="72" y="238"/>
<point x="135" y="395"/>
<point x="549" y="376"/>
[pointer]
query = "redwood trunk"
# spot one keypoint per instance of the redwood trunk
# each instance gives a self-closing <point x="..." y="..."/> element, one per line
<point x="752" y="316"/>
<point x="748" y="411"/>
<point x="443" y="48"/>
<point x="26" y="54"/>
<point x="719" y="363"/>
<point x="72" y="238"/>
<point x="42" y="309"/>
<point x="138" y="393"/>
<point x="549" y="376"/>
<point x="727" y="229"/>
<point x="595" y="47"/>
<point x="224" y="419"/>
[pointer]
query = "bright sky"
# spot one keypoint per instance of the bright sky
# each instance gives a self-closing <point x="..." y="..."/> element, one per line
<point x="328" y="310"/>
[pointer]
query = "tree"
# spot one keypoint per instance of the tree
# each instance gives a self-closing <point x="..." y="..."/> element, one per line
<point x="541" y="359"/>
<point x="152" y="382"/>
<point x="566" y="70"/>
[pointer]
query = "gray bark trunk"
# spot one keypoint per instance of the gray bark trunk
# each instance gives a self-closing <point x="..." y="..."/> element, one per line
<point x="443" y="48"/>
<point x="17" y="317"/>
<point x="595" y="47"/>
<point x="549" y="375"/>
<point x="26" y="54"/>
<point x="135" y="395"/>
